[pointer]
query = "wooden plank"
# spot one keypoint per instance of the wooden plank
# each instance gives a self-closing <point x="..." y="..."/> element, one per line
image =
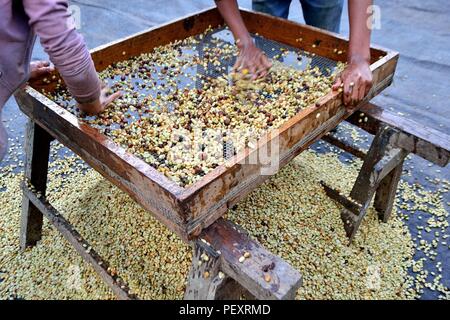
<point x="426" y="142"/>
<point x="206" y="281"/>
<point x="381" y="159"/>
<point x="263" y="274"/>
<point x="386" y="192"/>
<point x="203" y="279"/>
<point x="365" y="181"/>
<point x="37" y="151"/>
<point x="117" y="285"/>
<point x="391" y="160"/>
<point x="351" y="205"/>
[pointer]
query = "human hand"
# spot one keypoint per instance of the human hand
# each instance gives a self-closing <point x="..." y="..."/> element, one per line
<point x="252" y="59"/>
<point x="99" y="105"/>
<point x="356" y="81"/>
<point x="39" y="68"/>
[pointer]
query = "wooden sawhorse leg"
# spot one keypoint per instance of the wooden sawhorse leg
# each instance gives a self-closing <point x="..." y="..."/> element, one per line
<point x="206" y="280"/>
<point x="37" y="149"/>
<point x="378" y="177"/>
<point x="227" y="265"/>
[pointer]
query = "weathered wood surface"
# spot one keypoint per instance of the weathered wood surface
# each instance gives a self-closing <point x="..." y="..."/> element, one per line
<point x="381" y="159"/>
<point x="188" y="211"/>
<point x="375" y="162"/>
<point x="426" y="142"/>
<point x="391" y="160"/>
<point x="263" y="274"/>
<point x="338" y="196"/>
<point x="379" y="175"/>
<point x="37" y="151"/>
<point x="386" y="192"/>
<point x="117" y="285"/>
<point x="206" y="281"/>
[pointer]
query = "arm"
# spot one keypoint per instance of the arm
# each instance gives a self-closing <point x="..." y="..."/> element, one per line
<point x="250" y="57"/>
<point x="49" y="19"/>
<point x="357" y="77"/>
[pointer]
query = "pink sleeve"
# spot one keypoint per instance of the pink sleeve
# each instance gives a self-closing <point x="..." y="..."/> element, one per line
<point x="49" y="19"/>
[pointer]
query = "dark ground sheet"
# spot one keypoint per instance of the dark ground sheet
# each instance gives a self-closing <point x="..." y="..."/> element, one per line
<point x="419" y="30"/>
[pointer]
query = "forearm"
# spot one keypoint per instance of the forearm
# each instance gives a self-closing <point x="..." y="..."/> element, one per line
<point x="230" y="12"/>
<point x="359" y="30"/>
<point x="49" y="19"/>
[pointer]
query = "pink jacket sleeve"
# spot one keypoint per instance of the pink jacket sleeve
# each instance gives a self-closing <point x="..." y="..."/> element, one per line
<point x="50" y="20"/>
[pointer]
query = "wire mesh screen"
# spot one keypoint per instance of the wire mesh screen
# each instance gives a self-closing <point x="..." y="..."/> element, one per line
<point x="287" y="55"/>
